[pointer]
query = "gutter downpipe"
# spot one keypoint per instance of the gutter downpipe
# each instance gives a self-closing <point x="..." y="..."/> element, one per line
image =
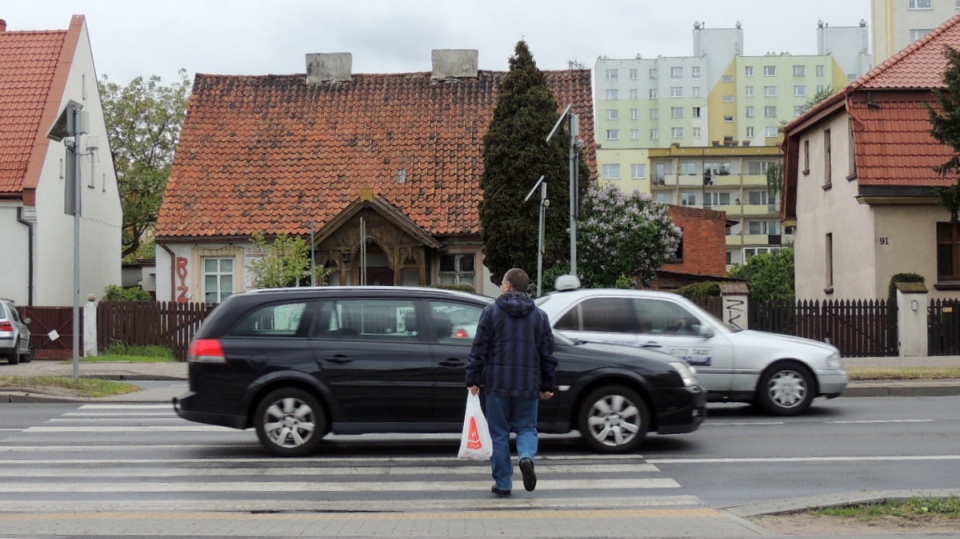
<point x="173" y="271"/>
<point x="29" y="226"/>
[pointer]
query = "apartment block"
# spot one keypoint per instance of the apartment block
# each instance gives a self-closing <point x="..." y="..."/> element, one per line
<point x="898" y="23"/>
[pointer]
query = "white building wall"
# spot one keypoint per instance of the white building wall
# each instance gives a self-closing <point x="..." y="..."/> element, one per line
<point x="100" y="225"/>
<point x="894" y="23"/>
<point x="14" y="269"/>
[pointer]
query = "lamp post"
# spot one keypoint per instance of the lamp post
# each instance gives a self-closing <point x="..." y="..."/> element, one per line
<point x="573" y="128"/>
<point x="544" y="203"/>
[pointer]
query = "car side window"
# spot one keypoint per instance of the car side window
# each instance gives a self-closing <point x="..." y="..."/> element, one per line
<point x="455" y="322"/>
<point x="657" y="316"/>
<point x="367" y="319"/>
<point x="609" y="315"/>
<point x="277" y="320"/>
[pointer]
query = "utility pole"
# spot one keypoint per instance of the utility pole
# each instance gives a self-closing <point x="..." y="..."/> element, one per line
<point x="573" y="128"/>
<point x="544" y="203"/>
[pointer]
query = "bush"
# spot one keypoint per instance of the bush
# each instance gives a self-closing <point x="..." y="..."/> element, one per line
<point x="123" y="349"/>
<point x="901" y="278"/>
<point x="118" y="293"/>
<point x="699" y="290"/>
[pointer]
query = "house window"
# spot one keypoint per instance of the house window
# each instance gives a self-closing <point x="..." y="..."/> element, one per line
<point x="217" y="279"/>
<point x="799" y="71"/>
<point x="638" y="170"/>
<point x="769" y="71"/>
<point x="458" y="269"/>
<point x="750" y="132"/>
<point x="611" y="172"/>
<point x="613" y="94"/>
<point x="748" y="91"/>
<point x="676" y="91"/>
<point x="770" y="91"/>
<point x="634" y="134"/>
<point x="634" y="114"/>
<point x="769" y="112"/>
<point x="717" y="199"/>
<point x="653" y="93"/>
<point x="748" y="71"/>
<point x="749" y="112"/>
<point x="806" y="157"/>
<point x="828" y="259"/>
<point x="772" y="132"/>
<point x="654" y="114"/>
<point x="827" y="151"/>
<point x="613" y="114"/>
<point x="728" y="99"/>
<point x="613" y="134"/>
<point x="696" y="112"/>
<point x="728" y="119"/>
<point x="695" y="91"/>
<point x="751" y="252"/>
<point x="918" y="33"/>
<point x="611" y="74"/>
<point x="634" y="74"/>
<point x="921" y="4"/>
<point x="762" y="227"/>
<point x="728" y="78"/>
<point x="695" y="70"/>
<point x="688" y="168"/>
<point x="676" y="132"/>
<point x="948" y="252"/>
<point x="800" y="91"/>
<point x="676" y="72"/>
<point x="688" y="199"/>
<point x="659" y="173"/>
<point x="716" y="168"/>
<point x="820" y="70"/>
<point x="757" y="198"/>
<point x="696" y="132"/>
<point x="757" y="168"/>
<point x="676" y="112"/>
<point x="634" y="94"/>
<point x="654" y="134"/>
<point x="652" y="74"/>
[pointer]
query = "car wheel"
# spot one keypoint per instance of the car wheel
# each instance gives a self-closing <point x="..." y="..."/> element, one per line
<point x="290" y="422"/>
<point x="786" y="389"/>
<point x="14" y="356"/>
<point x="613" y="419"/>
<point x="28" y="357"/>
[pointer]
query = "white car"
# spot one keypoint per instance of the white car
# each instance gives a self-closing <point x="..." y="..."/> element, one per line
<point x="15" y="341"/>
<point x="780" y="373"/>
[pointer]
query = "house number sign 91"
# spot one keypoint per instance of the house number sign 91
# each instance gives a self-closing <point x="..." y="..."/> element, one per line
<point x="884" y="241"/>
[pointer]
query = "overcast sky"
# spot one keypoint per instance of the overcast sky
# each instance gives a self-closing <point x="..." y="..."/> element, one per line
<point x="133" y="38"/>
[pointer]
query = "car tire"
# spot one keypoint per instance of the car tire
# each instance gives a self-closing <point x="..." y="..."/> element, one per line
<point x="613" y="419"/>
<point x="14" y="356"/>
<point x="786" y="388"/>
<point x="28" y="357"/>
<point x="290" y="422"/>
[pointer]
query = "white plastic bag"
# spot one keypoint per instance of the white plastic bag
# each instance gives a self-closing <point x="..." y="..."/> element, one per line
<point x="475" y="443"/>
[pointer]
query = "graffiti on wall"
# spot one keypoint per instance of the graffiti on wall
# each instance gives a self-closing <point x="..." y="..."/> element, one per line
<point x="184" y="295"/>
<point x="734" y="312"/>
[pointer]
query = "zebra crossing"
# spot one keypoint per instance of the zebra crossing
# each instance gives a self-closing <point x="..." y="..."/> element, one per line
<point x="120" y="457"/>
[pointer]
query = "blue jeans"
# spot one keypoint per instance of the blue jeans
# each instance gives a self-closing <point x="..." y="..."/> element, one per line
<point x="506" y="414"/>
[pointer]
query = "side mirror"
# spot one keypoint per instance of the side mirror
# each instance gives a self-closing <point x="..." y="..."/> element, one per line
<point x="706" y="332"/>
<point x="26" y="321"/>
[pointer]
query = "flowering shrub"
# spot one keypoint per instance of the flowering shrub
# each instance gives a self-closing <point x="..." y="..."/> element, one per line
<point x="621" y="236"/>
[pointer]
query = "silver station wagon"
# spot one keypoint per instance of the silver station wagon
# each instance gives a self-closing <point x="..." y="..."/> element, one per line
<point x="779" y="373"/>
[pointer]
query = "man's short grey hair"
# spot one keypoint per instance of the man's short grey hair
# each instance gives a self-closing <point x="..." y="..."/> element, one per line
<point x="518" y="279"/>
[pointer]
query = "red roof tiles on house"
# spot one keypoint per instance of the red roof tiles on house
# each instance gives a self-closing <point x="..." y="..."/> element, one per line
<point x="275" y="153"/>
<point x="28" y="64"/>
<point x="919" y="65"/>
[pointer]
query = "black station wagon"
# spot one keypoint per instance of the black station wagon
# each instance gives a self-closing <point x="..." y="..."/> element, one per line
<point x="298" y="363"/>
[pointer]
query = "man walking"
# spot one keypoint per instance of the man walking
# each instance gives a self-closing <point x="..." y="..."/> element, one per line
<point x="512" y="358"/>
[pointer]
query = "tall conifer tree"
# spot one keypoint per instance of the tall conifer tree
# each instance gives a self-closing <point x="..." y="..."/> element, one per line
<point x="515" y="155"/>
<point x="946" y="129"/>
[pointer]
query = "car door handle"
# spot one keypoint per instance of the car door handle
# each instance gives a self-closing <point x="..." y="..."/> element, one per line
<point x="338" y="359"/>
<point x="453" y="362"/>
<point x="651" y="344"/>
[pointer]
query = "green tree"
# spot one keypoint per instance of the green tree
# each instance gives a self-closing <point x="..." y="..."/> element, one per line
<point x="946" y="129"/>
<point x="515" y="154"/>
<point x="143" y="125"/>
<point x="771" y="275"/>
<point x="285" y="262"/>
<point x="622" y="236"/>
<point x="821" y="95"/>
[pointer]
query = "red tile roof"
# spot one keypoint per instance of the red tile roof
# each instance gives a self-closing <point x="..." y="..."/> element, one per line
<point x="920" y="65"/>
<point x="274" y="153"/>
<point x="28" y="64"/>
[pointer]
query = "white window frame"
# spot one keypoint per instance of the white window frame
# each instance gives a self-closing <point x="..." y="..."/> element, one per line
<point x="728" y="99"/>
<point x="770" y="111"/>
<point x="800" y="70"/>
<point x="652" y="74"/>
<point x="676" y="112"/>
<point x="748" y="71"/>
<point x="676" y="72"/>
<point x="772" y="132"/>
<point x="696" y="112"/>
<point x="697" y="133"/>
<point x="749" y="112"/>
<point x="917" y="33"/>
<point x="613" y="94"/>
<point x="920" y="4"/>
<point x="613" y="114"/>
<point x="654" y="114"/>
<point x="638" y="171"/>
<point x="770" y="71"/>
<point x="654" y="134"/>
<point x="611" y="172"/>
<point x="458" y="276"/>
<point x="748" y="91"/>
<point x="769" y="91"/>
<point x="799" y="91"/>
<point x="695" y="91"/>
<point x="820" y="70"/>
<point x="750" y="131"/>
<point x="688" y="168"/>
<point x="654" y="94"/>
<point x="676" y="91"/>
<point x="634" y="73"/>
<point x="613" y="134"/>
<point x="634" y="134"/>
<point x="634" y="114"/>
<point x="218" y="273"/>
<point x="612" y="74"/>
<point x="676" y="132"/>
<point x="634" y="93"/>
<point x="728" y="78"/>
<point x="695" y="70"/>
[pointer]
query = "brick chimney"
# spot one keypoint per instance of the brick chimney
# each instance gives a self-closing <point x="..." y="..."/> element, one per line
<point x="329" y="67"/>
<point x="454" y="63"/>
<point x="3" y="25"/>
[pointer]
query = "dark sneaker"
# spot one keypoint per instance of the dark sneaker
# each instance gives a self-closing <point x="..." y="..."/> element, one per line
<point x="529" y="476"/>
<point x="500" y="491"/>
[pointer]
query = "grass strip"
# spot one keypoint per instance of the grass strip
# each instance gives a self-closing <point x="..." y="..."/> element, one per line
<point x="64" y="385"/>
<point x="912" y="509"/>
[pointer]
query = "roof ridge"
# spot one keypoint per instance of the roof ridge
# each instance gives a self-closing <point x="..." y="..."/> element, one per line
<point x="905" y="53"/>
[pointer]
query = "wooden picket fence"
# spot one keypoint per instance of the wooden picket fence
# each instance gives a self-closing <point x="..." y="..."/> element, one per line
<point x="148" y="323"/>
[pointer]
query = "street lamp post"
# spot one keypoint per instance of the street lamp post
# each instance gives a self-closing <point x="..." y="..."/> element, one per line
<point x="573" y="128"/>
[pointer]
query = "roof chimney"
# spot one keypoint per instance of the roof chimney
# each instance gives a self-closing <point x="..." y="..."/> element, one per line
<point x="329" y="67"/>
<point x="454" y="63"/>
<point x="3" y="25"/>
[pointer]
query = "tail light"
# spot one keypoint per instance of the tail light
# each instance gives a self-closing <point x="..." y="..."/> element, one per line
<point x="6" y="326"/>
<point x="461" y="334"/>
<point x="206" y="351"/>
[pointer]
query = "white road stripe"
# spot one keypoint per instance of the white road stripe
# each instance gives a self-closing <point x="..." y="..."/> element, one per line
<point x="11" y="470"/>
<point x="324" y="486"/>
<point x="802" y="459"/>
<point x="127" y="430"/>
<point x="127" y="407"/>
<point x="863" y="422"/>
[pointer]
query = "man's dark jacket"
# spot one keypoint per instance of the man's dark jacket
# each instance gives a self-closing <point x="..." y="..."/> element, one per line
<point x="512" y="353"/>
